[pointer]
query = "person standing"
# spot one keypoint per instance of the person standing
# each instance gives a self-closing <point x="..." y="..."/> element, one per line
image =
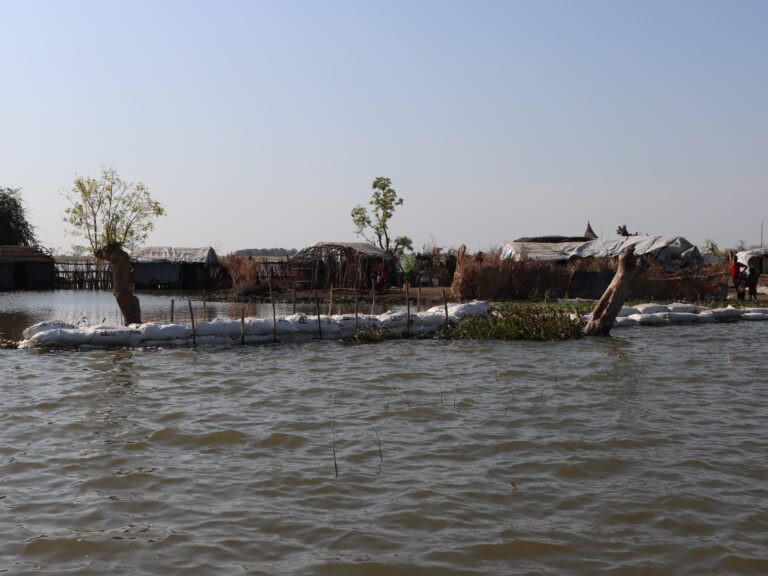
<point x="752" y="282"/>
<point x="736" y="267"/>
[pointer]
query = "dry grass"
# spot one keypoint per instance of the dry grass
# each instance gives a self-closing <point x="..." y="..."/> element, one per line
<point x="488" y="277"/>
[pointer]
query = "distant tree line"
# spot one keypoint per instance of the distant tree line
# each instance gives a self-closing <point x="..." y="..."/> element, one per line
<point x="267" y="252"/>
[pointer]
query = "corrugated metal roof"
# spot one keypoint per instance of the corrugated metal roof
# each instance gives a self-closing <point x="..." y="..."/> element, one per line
<point x="164" y="254"/>
<point x="23" y="254"/>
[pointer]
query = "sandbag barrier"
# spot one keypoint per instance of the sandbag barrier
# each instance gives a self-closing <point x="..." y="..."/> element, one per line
<point x="225" y="331"/>
<point x="678" y="313"/>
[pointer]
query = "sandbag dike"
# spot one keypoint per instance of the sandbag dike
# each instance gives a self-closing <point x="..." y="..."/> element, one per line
<point x="226" y="331"/>
<point x="679" y="313"/>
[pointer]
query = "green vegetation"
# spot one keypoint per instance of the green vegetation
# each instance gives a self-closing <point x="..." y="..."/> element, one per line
<point x="15" y="229"/>
<point x="523" y="321"/>
<point x="114" y="216"/>
<point x="383" y="204"/>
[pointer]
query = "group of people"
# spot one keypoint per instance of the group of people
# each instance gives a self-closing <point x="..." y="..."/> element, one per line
<point x="744" y="278"/>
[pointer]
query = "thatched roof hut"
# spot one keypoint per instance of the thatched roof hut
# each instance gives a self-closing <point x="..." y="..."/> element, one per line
<point x="26" y="268"/>
<point x="341" y="265"/>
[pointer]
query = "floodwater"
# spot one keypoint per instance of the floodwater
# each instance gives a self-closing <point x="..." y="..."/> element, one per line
<point x="645" y="453"/>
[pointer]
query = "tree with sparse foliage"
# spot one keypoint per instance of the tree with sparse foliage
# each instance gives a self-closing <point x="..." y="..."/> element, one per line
<point x="383" y="204"/>
<point x="15" y="229"/>
<point x="114" y="216"/>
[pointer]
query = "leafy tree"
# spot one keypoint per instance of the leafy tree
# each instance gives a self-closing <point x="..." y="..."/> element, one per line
<point x="114" y="216"/>
<point x="15" y="229"/>
<point x="711" y="248"/>
<point x="383" y="204"/>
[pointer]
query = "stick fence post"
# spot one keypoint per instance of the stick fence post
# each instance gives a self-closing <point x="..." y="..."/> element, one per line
<point x="272" y="300"/>
<point x="192" y="319"/>
<point x="445" y="304"/>
<point x="319" y="324"/>
<point x="407" y="310"/>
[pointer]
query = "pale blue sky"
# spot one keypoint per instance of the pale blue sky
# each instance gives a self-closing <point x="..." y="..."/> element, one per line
<point x="262" y="124"/>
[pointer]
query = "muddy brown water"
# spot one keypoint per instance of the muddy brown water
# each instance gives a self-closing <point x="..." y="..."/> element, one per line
<point x="644" y="453"/>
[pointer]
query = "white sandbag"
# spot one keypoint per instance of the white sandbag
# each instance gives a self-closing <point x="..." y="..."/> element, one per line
<point x="427" y="323"/>
<point x="655" y="319"/>
<point x="268" y="326"/>
<point x="435" y="320"/>
<point x="754" y="316"/>
<point x="624" y="322"/>
<point x="212" y="340"/>
<point x="349" y="325"/>
<point x="756" y="310"/>
<point x="728" y="313"/>
<point x="627" y="311"/>
<point x="682" y="307"/>
<point x="651" y="308"/>
<point x="705" y="317"/>
<point x="440" y="309"/>
<point x="304" y="324"/>
<point x="218" y="327"/>
<point x="114" y="336"/>
<point x="158" y="331"/>
<point x="474" y="308"/>
<point x="682" y="317"/>
<point x="44" y="326"/>
<point x="255" y="326"/>
<point x="64" y="337"/>
<point x="393" y="320"/>
<point x="259" y="338"/>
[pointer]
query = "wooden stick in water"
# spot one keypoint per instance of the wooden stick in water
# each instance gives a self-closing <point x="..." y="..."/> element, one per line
<point x="274" y="316"/>
<point x="173" y="302"/>
<point x="319" y="324"/>
<point x="418" y="298"/>
<point x="445" y="304"/>
<point x="242" y="326"/>
<point x="357" y="305"/>
<point x="192" y="319"/>
<point x="407" y="310"/>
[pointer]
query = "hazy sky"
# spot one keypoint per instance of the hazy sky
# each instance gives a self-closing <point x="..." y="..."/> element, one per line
<point x="261" y="124"/>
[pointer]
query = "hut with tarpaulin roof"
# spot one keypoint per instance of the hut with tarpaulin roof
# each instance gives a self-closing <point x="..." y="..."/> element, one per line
<point x="176" y="268"/>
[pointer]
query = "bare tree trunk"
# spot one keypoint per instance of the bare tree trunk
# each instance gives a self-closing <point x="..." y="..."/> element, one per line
<point x="122" y="282"/>
<point x="610" y="303"/>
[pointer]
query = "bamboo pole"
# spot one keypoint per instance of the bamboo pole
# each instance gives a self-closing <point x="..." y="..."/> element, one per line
<point x="373" y="298"/>
<point x="242" y="326"/>
<point x="272" y="300"/>
<point x="319" y="327"/>
<point x="330" y="301"/>
<point x="205" y="312"/>
<point x="192" y="319"/>
<point x="173" y="303"/>
<point x="407" y="310"/>
<point x="357" y="306"/>
<point x="418" y="298"/>
<point x="445" y="305"/>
